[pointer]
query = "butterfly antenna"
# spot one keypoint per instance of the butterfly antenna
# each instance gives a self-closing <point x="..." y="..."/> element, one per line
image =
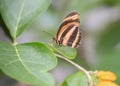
<point x="54" y="39"/>
<point x="47" y="33"/>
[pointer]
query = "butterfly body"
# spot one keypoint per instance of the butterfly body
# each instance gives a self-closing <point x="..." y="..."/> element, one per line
<point x="69" y="33"/>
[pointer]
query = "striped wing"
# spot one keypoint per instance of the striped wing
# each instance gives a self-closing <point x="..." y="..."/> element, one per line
<point x="69" y="33"/>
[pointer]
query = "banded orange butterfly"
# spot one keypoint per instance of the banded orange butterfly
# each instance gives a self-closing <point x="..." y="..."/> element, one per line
<point x="69" y="33"/>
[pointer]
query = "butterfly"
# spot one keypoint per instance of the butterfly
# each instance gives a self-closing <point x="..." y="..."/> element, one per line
<point x="68" y="33"/>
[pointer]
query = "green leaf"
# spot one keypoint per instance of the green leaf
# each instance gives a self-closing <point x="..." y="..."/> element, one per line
<point x="67" y="52"/>
<point x="17" y="14"/>
<point x="76" y="79"/>
<point x="28" y="63"/>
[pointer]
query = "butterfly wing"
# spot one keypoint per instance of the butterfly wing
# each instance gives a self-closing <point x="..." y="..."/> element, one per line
<point x="69" y="33"/>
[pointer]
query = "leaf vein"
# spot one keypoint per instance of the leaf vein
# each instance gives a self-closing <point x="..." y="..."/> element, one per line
<point x="19" y="58"/>
<point x="19" y="18"/>
<point x="34" y="62"/>
<point x="11" y="62"/>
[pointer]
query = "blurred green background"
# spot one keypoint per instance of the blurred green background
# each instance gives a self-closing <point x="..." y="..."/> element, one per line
<point x="100" y="43"/>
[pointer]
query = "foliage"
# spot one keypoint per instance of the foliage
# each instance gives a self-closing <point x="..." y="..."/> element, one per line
<point x="77" y="79"/>
<point x="31" y="62"/>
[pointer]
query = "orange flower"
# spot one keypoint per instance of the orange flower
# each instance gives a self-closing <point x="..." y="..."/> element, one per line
<point x="106" y="76"/>
<point x="106" y="83"/>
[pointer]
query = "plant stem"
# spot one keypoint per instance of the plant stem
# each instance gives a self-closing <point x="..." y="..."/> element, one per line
<point x="90" y="82"/>
<point x="14" y="42"/>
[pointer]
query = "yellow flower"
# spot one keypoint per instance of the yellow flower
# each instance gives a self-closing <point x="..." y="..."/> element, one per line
<point x="106" y="83"/>
<point x="106" y="76"/>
